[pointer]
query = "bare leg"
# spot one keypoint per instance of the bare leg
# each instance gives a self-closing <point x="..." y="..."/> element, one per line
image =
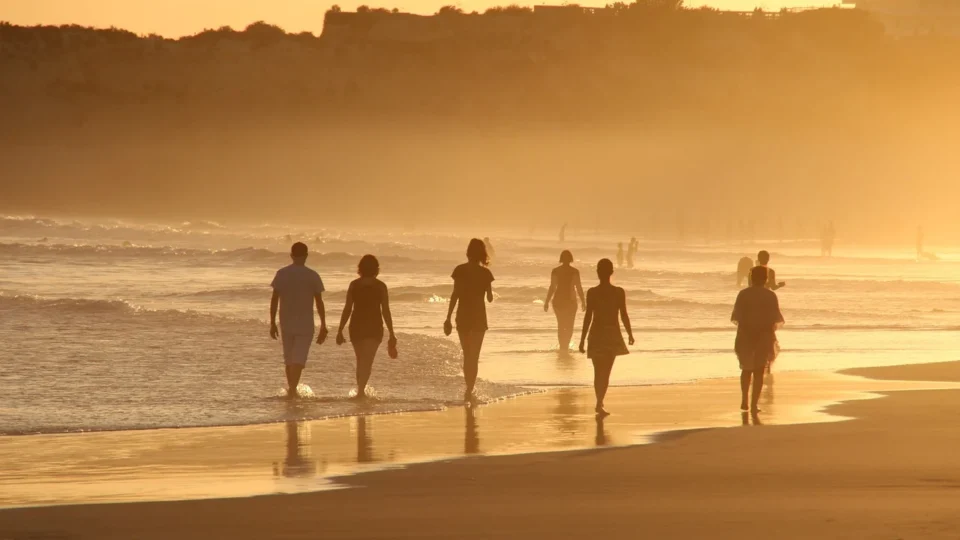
<point x="566" y="317"/>
<point x="293" y="379"/>
<point x="601" y="380"/>
<point x="366" y="351"/>
<point x="564" y="345"/>
<point x="757" y="388"/>
<point x="471" y="342"/>
<point x="744" y="389"/>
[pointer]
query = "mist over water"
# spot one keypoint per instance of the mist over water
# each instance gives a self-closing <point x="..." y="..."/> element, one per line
<point x="112" y="324"/>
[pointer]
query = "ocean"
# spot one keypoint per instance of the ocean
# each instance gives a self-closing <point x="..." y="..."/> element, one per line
<point x="119" y="325"/>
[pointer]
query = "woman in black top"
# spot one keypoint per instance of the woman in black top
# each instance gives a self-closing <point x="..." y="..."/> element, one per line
<point x="564" y="289"/>
<point x="606" y="305"/>
<point x="471" y="282"/>
<point x="367" y="307"/>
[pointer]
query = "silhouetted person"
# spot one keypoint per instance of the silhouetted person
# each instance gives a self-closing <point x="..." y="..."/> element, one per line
<point x="367" y="308"/>
<point x="826" y="240"/>
<point x="296" y="289"/>
<point x="757" y="316"/>
<point x="564" y="290"/>
<point x="606" y="306"/>
<point x="490" y="251"/>
<point x="472" y="281"/>
<point x="632" y="251"/>
<point x="763" y="261"/>
<point x="563" y="233"/>
<point x="620" y="255"/>
<point x="744" y="265"/>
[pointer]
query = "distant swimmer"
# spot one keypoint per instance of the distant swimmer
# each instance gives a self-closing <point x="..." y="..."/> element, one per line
<point x="763" y="261"/>
<point x="757" y="316"/>
<point x="827" y="238"/>
<point x="472" y="281"/>
<point x="367" y="308"/>
<point x="296" y="289"/>
<point x="563" y="233"/>
<point x="565" y="289"/>
<point x="632" y="251"/>
<point x="489" y="245"/>
<point x="606" y="307"/>
<point x="743" y="271"/>
<point x="620" y="255"/>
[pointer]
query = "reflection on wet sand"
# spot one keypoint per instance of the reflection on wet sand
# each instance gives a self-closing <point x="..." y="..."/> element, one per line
<point x="194" y="463"/>
<point x="364" y="441"/>
<point x="602" y="437"/>
<point x="297" y="462"/>
<point x="471" y="436"/>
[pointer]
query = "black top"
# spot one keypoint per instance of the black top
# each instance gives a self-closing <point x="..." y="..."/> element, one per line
<point x="757" y="314"/>
<point x="366" y="321"/>
<point x="470" y="282"/>
<point x="606" y="301"/>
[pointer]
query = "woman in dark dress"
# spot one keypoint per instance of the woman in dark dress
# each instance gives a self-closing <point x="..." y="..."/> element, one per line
<point x="472" y="281"/>
<point x="606" y="306"/>
<point x="564" y="290"/>
<point x="367" y="308"/>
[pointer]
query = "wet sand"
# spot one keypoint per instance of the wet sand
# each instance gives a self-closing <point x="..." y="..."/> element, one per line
<point x="891" y="472"/>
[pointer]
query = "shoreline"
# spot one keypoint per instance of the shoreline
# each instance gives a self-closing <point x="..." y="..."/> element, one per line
<point x="320" y="455"/>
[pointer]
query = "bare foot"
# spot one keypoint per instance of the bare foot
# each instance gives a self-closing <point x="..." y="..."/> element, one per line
<point x="601" y="412"/>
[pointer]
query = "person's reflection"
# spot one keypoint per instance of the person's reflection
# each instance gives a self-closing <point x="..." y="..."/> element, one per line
<point x="566" y="412"/>
<point x="471" y="436"/>
<point x="364" y="442"/>
<point x="566" y="362"/>
<point x="750" y="419"/>
<point x="768" y="391"/>
<point x="297" y="462"/>
<point x="602" y="437"/>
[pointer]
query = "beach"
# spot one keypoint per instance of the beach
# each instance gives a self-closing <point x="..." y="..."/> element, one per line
<point x="880" y="464"/>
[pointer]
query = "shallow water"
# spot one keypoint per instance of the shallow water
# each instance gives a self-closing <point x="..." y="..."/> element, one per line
<point x="116" y="325"/>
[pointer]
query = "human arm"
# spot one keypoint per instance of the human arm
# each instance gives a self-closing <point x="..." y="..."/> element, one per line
<point x="587" y="319"/>
<point x="623" y="315"/>
<point x="454" y="298"/>
<point x="551" y="291"/>
<point x="490" y="287"/>
<point x="737" y="310"/>
<point x="322" y="311"/>
<point x="778" y="316"/>
<point x="772" y="279"/>
<point x="576" y="283"/>
<point x="274" y="304"/>
<point x="347" y="311"/>
<point x="385" y="309"/>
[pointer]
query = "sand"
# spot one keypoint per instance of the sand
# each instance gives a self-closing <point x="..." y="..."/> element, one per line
<point x="890" y="472"/>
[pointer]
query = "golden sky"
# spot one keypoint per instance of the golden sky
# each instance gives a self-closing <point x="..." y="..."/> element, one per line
<point x="174" y="18"/>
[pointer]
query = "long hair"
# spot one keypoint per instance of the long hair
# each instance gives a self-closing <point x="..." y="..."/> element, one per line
<point x="477" y="252"/>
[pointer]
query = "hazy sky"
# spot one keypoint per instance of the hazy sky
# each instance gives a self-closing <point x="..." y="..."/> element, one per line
<point x="175" y="18"/>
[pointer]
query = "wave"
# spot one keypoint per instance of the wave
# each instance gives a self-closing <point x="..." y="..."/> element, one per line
<point x="57" y="307"/>
<point x="247" y="255"/>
